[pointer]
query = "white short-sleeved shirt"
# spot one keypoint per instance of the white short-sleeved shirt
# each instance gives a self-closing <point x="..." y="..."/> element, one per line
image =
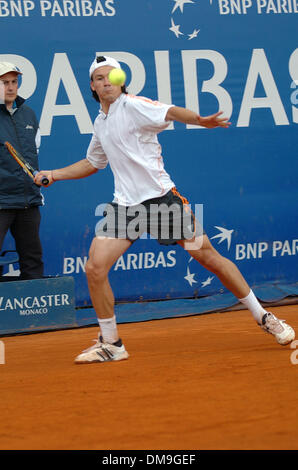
<point x="126" y="138"/>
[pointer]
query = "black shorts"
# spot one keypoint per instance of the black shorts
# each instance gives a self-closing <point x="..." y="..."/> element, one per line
<point x="168" y="219"/>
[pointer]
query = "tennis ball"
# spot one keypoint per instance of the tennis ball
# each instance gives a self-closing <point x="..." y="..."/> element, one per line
<point x="117" y="76"/>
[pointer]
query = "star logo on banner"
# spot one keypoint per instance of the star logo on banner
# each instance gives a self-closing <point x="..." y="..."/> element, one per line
<point x="194" y="34"/>
<point x="190" y="277"/>
<point x="178" y="9"/>
<point x="180" y="4"/>
<point x="224" y="234"/>
<point x="208" y="281"/>
<point x="175" y="29"/>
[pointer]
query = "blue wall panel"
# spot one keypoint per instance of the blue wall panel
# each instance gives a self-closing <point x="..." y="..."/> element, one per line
<point x="237" y="56"/>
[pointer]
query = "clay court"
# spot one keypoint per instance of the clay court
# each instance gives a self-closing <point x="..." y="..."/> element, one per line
<point x="212" y="381"/>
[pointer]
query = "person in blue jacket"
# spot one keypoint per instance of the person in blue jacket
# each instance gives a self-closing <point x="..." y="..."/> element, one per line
<point x="20" y="197"/>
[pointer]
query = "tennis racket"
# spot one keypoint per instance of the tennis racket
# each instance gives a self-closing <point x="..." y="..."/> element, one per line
<point x="24" y="164"/>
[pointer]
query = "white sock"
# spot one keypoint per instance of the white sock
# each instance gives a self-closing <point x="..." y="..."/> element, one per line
<point x="252" y="303"/>
<point x="109" y="330"/>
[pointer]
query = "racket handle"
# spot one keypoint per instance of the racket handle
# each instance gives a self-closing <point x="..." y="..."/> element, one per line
<point x="44" y="179"/>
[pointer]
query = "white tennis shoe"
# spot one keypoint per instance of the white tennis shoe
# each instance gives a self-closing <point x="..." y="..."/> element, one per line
<point x="283" y="333"/>
<point x="103" y="352"/>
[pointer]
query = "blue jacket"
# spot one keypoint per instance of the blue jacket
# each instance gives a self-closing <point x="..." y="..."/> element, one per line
<point x="17" y="190"/>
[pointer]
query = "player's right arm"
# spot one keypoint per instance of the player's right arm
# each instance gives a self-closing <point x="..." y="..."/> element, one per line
<point x="80" y="169"/>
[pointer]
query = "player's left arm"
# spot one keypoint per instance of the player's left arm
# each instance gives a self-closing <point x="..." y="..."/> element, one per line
<point x="176" y="113"/>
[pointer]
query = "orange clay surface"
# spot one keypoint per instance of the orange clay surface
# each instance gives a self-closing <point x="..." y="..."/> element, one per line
<point x="211" y="381"/>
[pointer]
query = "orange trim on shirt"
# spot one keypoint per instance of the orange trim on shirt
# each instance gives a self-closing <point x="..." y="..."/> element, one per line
<point x="147" y="100"/>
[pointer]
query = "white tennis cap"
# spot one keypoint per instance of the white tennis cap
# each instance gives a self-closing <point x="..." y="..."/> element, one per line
<point x="102" y="60"/>
<point x="6" y="67"/>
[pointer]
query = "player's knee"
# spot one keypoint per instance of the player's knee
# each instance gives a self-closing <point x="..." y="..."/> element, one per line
<point x="95" y="270"/>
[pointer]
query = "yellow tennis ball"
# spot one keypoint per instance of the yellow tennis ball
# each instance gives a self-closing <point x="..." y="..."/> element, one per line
<point x="117" y="76"/>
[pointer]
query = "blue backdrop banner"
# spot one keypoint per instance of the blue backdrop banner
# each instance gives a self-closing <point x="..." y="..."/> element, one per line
<point x="238" y="56"/>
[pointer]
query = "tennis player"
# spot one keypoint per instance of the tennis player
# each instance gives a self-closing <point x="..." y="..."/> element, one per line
<point x="125" y="136"/>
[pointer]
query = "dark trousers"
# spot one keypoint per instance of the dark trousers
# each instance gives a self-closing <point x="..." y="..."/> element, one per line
<point x="24" y="227"/>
